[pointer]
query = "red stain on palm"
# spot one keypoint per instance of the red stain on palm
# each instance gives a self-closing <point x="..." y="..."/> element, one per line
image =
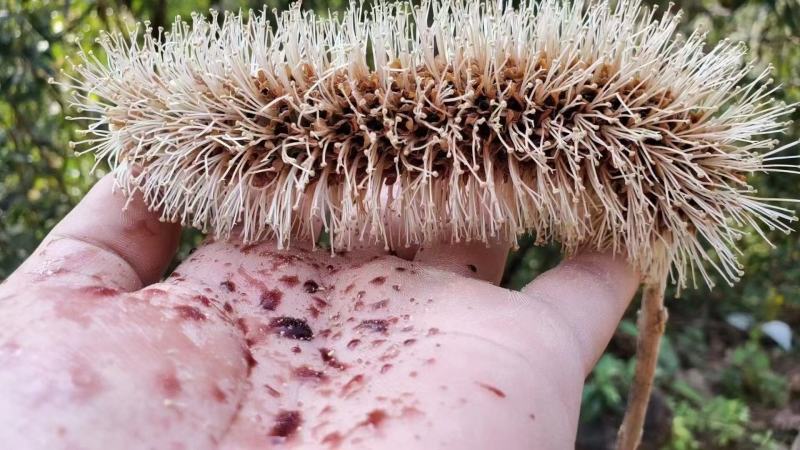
<point x="380" y="305"/>
<point x="319" y="302"/>
<point x="203" y="300"/>
<point x="353" y="344"/>
<point x="218" y="394"/>
<point x="410" y="412"/>
<point x="330" y="360"/>
<point x="169" y="385"/>
<point x="391" y="353"/>
<point x="286" y="424"/>
<point x="251" y="280"/>
<point x="228" y="285"/>
<point x="374" y="325"/>
<point x="270" y="299"/>
<point x="311" y="286"/>
<point x="99" y="291"/>
<point x="187" y="312"/>
<point x="433" y="332"/>
<point x="272" y="391"/>
<point x="280" y="259"/>
<point x="349" y="288"/>
<point x="241" y="324"/>
<point x="249" y="359"/>
<point x="228" y="308"/>
<point x="292" y="328"/>
<point x="375" y="418"/>
<point x="377" y="281"/>
<point x="289" y="280"/>
<point x="247" y="249"/>
<point x="313" y="311"/>
<point x="493" y="390"/>
<point x="352" y="386"/>
<point x="334" y="439"/>
<point x="307" y="373"/>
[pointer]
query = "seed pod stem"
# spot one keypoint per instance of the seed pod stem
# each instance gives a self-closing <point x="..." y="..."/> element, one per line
<point x="651" y="323"/>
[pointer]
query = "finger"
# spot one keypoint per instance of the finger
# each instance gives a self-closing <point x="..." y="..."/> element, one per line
<point x="472" y="259"/>
<point x="390" y="234"/>
<point x="115" y="241"/>
<point x="589" y="293"/>
<point x="385" y="233"/>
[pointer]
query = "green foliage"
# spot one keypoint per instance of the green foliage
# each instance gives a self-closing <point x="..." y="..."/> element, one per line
<point x="607" y="389"/>
<point x="42" y="179"/>
<point x="721" y="423"/>
<point x="722" y="419"/>
<point x="750" y="376"/>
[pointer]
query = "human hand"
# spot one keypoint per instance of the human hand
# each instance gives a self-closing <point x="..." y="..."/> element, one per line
<point x="252" y="347"/>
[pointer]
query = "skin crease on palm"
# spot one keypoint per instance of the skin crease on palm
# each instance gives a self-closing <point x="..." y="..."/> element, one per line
<point x="250" y="347"/>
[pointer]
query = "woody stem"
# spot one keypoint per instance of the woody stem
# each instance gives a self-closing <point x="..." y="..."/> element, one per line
<point x="651" y="323"/>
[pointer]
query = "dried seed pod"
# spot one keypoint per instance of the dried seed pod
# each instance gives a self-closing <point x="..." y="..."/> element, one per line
<point x="583" y="124"/>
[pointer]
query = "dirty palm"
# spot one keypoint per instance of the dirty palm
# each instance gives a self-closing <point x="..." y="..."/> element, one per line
<point x="251" y="347"/>
<point x="420" y="128"/>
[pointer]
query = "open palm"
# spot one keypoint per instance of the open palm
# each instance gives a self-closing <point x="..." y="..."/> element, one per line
<point x="253" y="347"/>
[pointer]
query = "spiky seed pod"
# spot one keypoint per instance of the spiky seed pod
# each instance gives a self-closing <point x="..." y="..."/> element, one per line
<point x="582" y="123"/>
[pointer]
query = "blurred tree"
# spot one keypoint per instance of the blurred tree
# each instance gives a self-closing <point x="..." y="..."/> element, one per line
<point x="42" y="179"/>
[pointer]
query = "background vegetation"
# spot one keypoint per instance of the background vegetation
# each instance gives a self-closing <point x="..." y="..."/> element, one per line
<point x="723" y="383"/>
